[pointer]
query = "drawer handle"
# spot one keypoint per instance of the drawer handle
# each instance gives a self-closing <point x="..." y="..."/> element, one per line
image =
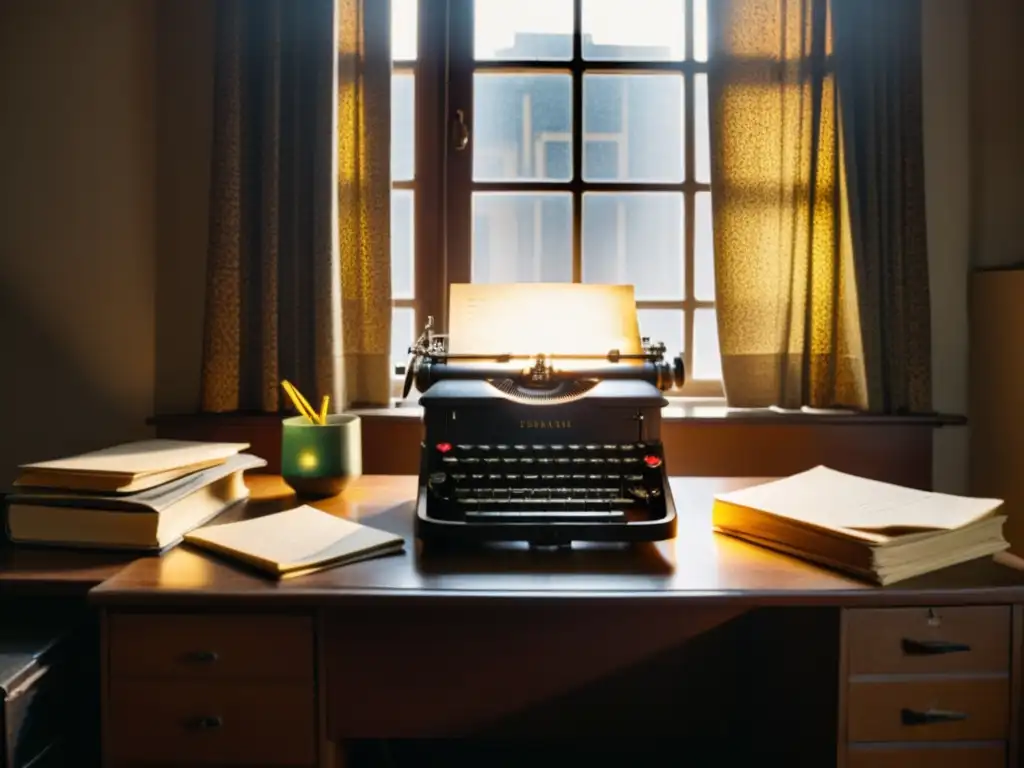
<point x="929" y="716"/>
<point x="932" y="647"/>
<point x="203" y="657"/>
<point x="207" y="723"/>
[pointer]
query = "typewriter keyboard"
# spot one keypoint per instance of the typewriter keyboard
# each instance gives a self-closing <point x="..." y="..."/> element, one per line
<point x="536" y="483"/>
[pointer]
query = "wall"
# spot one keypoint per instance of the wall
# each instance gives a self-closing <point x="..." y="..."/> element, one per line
<point x="997" y="132"/>
<point x="77" y="215"/>
<point x="185" y="31"/>
<point x="946" y="71"/>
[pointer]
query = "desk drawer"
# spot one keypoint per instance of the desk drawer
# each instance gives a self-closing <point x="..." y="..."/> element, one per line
<point x="921" y="640"/>
<point x="212" y="723"/>
<point x="974" y="755"/>
<point x="200" y="647"/>
<point x="929" y="710"/>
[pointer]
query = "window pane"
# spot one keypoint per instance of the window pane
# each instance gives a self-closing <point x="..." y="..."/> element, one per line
<point x="664" y="325"/>
<point x="402" y="244"/>
<point x="703" y="249"/>
<point x="523" y="127"/>
<point x="633" y="30"/>
<point x="523" y="30"/>
<point x="403" y="29"/>
<point x="521" y="237"/>
<point x="403" y="334"/>
<point x="700" y="30"/>
<point x="633" y="128"/>
<point x="702" y="144"/>
<point x="402" y="127"/>
<point x="635" y="238"/>
<point x="707" y="360"/>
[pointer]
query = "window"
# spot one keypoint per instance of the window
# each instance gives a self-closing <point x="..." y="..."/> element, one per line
<point x="587" y="158"/>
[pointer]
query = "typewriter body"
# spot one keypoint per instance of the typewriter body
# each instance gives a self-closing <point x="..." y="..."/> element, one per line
<point x="540" y="449"/>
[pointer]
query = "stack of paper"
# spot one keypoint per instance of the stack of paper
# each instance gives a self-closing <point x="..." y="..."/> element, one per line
<point x="878" y="531"/>
<point x="142" y="495"/>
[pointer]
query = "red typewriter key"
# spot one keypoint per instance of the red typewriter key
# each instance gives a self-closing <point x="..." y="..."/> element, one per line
<point x="444" y="447"/>
<point x="652" y="461"/>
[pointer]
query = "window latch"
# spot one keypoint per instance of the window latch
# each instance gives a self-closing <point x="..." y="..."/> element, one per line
<point x="460" y="131"/>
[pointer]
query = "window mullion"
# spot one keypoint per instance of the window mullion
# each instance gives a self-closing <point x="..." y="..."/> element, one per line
<point x="429" y="130"/>
<point x="577" y="142"/>
<point x="459" y="159"/>
<point x="690" y="154"/>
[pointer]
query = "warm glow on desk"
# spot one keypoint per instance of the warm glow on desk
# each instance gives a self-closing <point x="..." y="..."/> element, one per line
<point x="543" y="319"/>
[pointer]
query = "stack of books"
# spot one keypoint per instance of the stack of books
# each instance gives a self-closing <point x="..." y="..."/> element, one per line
<point x="880" y="532"/>
<point x="143" y="495"/>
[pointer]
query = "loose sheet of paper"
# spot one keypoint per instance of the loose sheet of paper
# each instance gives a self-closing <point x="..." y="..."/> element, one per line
<point x="825" y="497"/>
<point x="285" y="538"/>
<point x="542" y="318"/>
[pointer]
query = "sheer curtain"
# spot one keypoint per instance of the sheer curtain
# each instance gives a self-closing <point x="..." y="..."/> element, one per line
<point x="804" y="267"/>
<point x="298" y="282"/>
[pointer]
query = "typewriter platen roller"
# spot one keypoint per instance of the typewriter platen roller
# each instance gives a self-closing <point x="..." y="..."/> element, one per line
<point x="542" y="449"/>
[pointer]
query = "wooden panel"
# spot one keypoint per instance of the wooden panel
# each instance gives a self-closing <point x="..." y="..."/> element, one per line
<point x="898" y="451"/>
<point x="952" y="755"/>
<point x="55" y="571"/>
<point x="176" y="646"/>
<point x="456" y="670"/>
<point x="391" y="445"/>
<point x="202" y="723"/>
<point x="996" y="395"/>
<point x="940" y="639"/>
<point x="876" y="710"/>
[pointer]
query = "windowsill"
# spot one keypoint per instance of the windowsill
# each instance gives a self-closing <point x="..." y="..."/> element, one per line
<point x="693" y="410"/>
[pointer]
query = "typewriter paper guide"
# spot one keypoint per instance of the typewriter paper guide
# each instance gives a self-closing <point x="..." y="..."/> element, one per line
<point x="542" y="318"/>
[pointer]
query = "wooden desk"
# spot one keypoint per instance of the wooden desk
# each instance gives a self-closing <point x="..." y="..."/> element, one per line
<point x="705" y="638"/>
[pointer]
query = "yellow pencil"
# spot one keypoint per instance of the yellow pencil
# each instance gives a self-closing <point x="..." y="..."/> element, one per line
<point x="294" y="397"/>
<point x="323" y="409"/>
<point x="298" y="401"/>
<point x="308" y="407"/>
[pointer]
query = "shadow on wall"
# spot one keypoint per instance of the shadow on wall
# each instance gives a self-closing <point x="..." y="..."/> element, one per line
<point x="50" y="406"/>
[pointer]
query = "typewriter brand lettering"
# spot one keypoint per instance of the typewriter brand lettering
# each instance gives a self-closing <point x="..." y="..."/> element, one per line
<point x="545" y="424"/>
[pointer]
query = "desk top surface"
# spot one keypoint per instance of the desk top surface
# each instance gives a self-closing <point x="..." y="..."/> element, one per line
<point x="699" y="565"/>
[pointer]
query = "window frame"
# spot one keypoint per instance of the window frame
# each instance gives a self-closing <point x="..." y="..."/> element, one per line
<point x="442" y="211"/>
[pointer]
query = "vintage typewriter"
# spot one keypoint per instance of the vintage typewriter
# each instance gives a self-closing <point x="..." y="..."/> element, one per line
<point x="542" y="449"/>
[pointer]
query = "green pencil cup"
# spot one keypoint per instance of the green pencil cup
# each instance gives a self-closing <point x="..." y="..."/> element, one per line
<point x="317" y="460"/>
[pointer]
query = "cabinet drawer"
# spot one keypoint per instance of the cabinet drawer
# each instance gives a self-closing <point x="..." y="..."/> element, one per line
<point x="910" y="640"/>
<point x="929" y="710"/>
<point x="199" y="647"/>
<point x="212" y="723"/>
<point x="943" y="756"/>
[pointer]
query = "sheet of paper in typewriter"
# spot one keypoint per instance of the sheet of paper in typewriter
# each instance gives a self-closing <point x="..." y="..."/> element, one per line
<point x="542" y="318"/>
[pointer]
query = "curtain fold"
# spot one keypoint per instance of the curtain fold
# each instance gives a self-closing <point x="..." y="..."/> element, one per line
<point x="811" y="305"/>
<point x="878" y="71"/>
<point x="364" y="197"/>
<point x="280" y="262"/>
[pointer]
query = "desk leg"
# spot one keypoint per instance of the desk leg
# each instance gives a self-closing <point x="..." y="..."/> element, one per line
<point x="1016" y="759"/>
<point x="332" y="754"/>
